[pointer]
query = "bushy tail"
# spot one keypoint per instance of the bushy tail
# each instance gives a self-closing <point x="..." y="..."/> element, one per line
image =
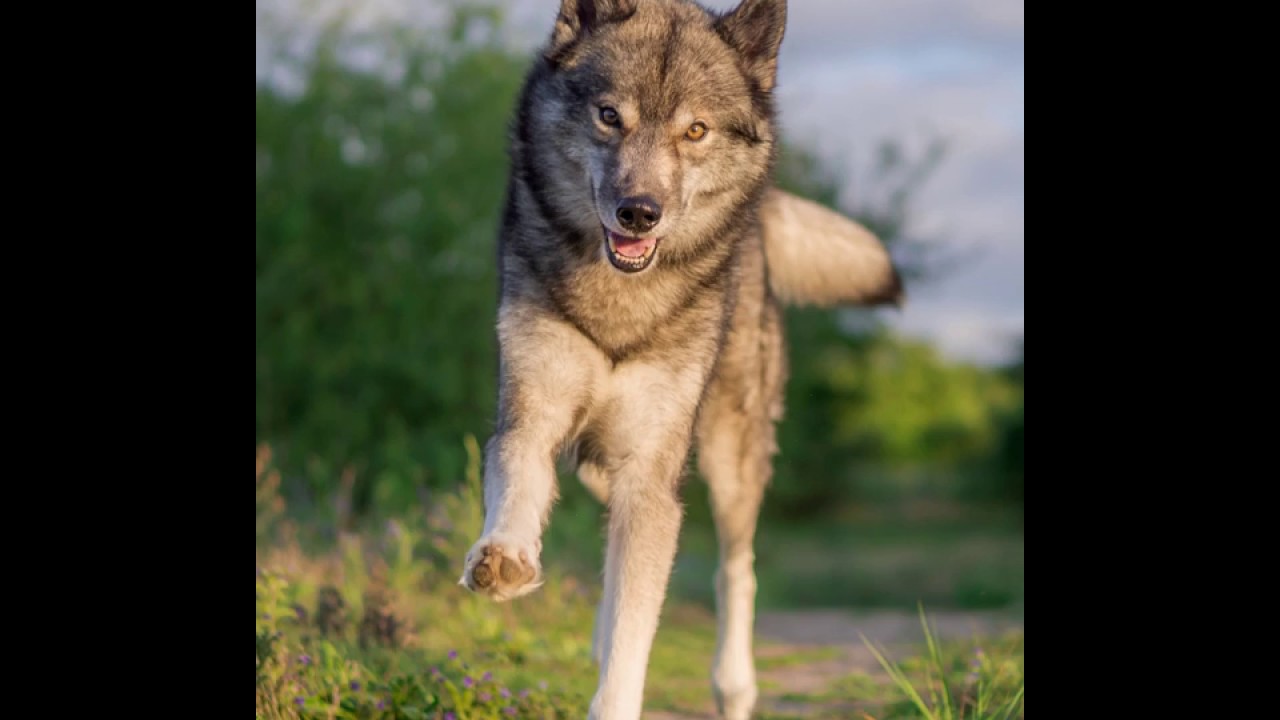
<point x="819" y="257"/>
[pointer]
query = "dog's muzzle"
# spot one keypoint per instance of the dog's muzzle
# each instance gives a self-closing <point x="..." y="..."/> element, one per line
<point x="630" y="254"/>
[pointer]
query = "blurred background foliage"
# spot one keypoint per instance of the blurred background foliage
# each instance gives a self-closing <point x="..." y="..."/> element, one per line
<point x="381" y="164"/>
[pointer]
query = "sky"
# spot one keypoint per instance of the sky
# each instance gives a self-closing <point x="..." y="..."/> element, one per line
<point x="855" y="72"/>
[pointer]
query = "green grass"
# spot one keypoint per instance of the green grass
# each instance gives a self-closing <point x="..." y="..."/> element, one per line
<point x="958" y="682"/>
<point x="886" y="556"/>
<point x="868" y="565"/>
<point x="371" y="624"/>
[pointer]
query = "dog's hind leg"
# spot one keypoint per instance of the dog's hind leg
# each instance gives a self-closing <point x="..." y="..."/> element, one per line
<point x="736" y="443"/>
<point x="736" y="469"/>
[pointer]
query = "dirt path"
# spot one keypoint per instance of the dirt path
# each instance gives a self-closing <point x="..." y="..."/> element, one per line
<point x="780" y="634"/>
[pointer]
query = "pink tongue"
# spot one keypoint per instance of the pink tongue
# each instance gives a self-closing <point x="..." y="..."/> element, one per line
<point x="631" y="247"/>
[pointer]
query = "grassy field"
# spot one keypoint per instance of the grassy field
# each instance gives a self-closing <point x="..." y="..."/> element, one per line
<point x="883" y="556"/>
<point x="369" y="623"/>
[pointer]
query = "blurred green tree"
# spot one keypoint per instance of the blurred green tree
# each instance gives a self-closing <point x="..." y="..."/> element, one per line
<point x="377" y="201"/>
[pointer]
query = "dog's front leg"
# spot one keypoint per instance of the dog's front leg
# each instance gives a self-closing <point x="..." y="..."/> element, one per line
<point x="647" y="444"/>
<point x="548" y="371"/>
<point x="644" y="523"/>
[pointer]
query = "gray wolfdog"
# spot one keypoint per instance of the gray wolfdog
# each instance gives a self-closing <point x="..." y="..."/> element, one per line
<point x="644" y="258"/>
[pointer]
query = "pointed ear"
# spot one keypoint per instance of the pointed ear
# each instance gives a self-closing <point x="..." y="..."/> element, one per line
<point x="755" y="29"/>
<point x="579" y="17"/>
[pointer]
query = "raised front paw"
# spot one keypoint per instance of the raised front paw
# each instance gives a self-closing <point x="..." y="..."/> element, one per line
<point x="502" y="568"/>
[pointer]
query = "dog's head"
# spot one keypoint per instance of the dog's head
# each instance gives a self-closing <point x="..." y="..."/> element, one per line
<point x="652" y="122"/>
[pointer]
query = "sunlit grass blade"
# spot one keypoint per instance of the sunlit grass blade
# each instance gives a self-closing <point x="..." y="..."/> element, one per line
<point x="935" y="659"/>
<point x="1013" y="704"/>
<point x="899" y="679"/>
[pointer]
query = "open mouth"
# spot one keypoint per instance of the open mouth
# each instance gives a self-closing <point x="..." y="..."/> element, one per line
<point x="630" y="254"/>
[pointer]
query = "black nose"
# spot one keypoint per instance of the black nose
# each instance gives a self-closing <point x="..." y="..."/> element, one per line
<point x="639" y="214"/>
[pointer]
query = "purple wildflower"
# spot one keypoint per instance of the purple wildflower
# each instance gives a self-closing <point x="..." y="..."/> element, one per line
<point x="266" y="616"/>
<point x="299" y="700"/>
<point x="453" y="654"/>
<point x="484" y="697"/>
<point x="435" y="672"/>
<point x="978" y="653"/>
<point x="355" y="685"/>
<point x="450" y="716"/>
<point x="487" y="676"/>
<point x="509" y="710"/>
<point x="975" y="663"/>
<point x="304" y="659"/>
<point x="504" y="693"/>
<point x="468" y="682"/>
<point x="382" y="704"/>
<point x="542" y="684"/>
<point x="524" y="693"/>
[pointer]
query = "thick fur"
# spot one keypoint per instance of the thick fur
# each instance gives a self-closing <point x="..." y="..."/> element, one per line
<point x="819" y="257"/>
<point x="624" y="371"/>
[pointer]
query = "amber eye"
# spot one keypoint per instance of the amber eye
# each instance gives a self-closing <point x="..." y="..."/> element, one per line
<point x="696" y="131"/>
<point x="609" y="116"/>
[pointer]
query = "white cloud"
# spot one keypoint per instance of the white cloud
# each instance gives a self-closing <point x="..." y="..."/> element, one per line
<point x="853" y="74"/>
<point x="827" y="26"/>
<point x="974" y="333"/>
